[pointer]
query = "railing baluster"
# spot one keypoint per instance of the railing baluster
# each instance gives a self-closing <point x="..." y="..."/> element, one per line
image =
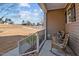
<point x="37" y="42"/>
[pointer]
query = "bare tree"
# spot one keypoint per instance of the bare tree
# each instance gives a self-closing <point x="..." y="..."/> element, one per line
<point x="23" y="22"/>
<point x="9" y="21"/>
<point x="33" y="24"/>
<point x="28" y="23"/>
<point x="1" y="21"/>
<point x="38" y="24"/>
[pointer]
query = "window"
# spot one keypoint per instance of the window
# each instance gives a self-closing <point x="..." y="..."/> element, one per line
<point x="70" y="13"/>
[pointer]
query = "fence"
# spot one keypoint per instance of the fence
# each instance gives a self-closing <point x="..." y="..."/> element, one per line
<point x="32" y="43"/>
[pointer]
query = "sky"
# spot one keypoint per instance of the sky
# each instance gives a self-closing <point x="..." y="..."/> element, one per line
<point x="18" y="12"/>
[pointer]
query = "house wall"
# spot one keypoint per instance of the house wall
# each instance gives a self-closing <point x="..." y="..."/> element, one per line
<point x="55" y="20"/>
<point x="73" y="29"/>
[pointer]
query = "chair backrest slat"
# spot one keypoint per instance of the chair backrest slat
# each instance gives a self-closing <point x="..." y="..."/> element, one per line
<point x="65" y="40"/>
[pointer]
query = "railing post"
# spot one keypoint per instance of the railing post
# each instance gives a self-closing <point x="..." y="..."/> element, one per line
<point x="37" y="42"/>
<point x="18" y="48"/>
<point x="45" y="26"/>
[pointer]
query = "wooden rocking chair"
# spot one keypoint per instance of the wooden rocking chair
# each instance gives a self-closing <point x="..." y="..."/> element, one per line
<point x="59" y="46"/>
<point x="56" y="44"/>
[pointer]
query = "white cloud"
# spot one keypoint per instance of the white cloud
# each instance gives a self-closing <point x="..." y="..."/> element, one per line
<point x="25" y="14"/>
<point x="36" y="14"/>
<point x="25" y="4"/>
<point x="35" y="10"/>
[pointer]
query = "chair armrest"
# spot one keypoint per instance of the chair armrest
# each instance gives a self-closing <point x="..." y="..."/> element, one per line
<point x="53" y="39"/>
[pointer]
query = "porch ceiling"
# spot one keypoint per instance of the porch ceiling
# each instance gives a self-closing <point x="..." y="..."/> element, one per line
<point x="51" y="6"/>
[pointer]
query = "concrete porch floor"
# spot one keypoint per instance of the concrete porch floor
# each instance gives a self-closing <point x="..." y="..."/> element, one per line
<point x="45" y="51"/>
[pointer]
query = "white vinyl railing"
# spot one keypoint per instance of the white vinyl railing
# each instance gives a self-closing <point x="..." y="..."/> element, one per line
<point x="32" y="43"/>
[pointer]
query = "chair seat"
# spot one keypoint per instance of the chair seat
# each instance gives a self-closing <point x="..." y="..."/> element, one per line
<point x="60" y="45"/>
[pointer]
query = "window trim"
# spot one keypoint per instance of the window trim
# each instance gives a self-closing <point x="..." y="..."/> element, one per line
<point x="71" y="8"/>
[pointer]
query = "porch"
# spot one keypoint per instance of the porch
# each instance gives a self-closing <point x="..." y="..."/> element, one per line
<point x="63" y="17"/>
<point x="56" y="17"/>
